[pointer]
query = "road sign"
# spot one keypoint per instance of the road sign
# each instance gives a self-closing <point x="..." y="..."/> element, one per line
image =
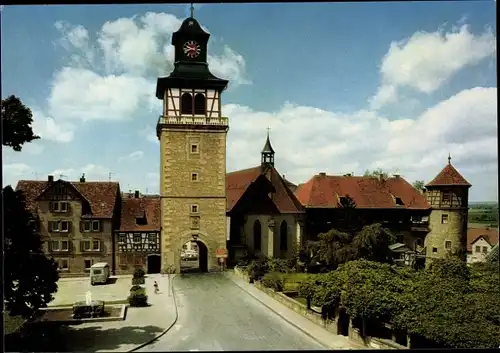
<point x="221" y="260"/>
<point x="221" y="253"/>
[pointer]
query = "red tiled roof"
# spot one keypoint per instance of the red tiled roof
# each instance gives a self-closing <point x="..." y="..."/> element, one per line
<point x="323" y="191"/>
<point x="145" y="205"/>
<point x="238" y="182"/>
<point x="489" y="234"/>
<point x="449" y="176"/>
<point x="101" y="195"/>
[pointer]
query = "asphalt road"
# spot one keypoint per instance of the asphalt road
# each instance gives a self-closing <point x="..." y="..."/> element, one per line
<point x="216" y="314"/>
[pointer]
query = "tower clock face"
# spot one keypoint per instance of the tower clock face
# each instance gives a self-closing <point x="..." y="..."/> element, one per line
<point x="191" y="49"/>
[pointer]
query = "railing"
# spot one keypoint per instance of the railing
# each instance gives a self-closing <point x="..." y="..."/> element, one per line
<point x="193" y="120"/>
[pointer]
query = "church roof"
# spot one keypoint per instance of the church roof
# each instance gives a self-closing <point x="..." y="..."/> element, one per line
<point x="237" y="183"/>
<point x="449" y="176"/>
<point x="324" y="191"/>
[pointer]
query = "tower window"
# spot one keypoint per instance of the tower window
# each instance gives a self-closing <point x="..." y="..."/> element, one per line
<point x="186" y="103"/>
<point x="194" y="176"/>
<point x="194" y="208"/>
<point x="194" y="148"/>
<point x="200" y="104"/>
<point x="447" y="244"/>
<point x="444" y="219"/>
<point x="446" y="197"/>
<point x="434" y="250"/>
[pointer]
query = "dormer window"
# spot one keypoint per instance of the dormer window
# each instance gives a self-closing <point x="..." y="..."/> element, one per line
<point x="399" y="201"/>
<point x="343" y="200"/>
<point x="141" y="221"/>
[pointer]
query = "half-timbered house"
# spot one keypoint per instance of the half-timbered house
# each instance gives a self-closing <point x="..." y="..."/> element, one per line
<point x="138" y="238"/>
<point x="76" y="220"/>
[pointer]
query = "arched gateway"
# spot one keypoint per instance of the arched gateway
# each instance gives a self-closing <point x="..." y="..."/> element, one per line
<point x="192" y="134"/>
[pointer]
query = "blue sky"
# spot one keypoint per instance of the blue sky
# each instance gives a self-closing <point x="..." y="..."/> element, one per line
<point x="345" y="87"/>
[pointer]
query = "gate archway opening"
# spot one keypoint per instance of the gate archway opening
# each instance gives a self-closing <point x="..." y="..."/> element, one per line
<point x="194" y="257"/>
<point x="154" y="263"/>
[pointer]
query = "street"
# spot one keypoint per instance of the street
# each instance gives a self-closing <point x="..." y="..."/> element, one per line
<point x="215" y="314"/>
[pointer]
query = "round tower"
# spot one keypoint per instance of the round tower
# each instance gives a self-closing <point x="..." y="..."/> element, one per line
<point x="448" y="196"/>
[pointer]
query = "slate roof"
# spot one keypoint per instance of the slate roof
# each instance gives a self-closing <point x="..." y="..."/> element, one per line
<point x="144" y="205"/>
<point x="237" y="183"/>
<point x="101" y="195"/>
<point x="449" y="176"/>
<point x="324" y="191"/>
<point x="489" y="234"/>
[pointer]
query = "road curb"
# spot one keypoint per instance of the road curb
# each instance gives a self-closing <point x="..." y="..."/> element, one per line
<point x="168" y="328"/>
<point x="230" y="275"/>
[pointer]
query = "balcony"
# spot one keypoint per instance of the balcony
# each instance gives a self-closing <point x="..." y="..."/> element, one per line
<point x="192" y="122"/>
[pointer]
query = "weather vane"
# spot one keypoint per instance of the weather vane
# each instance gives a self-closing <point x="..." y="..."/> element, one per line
<point x="192" y="10"/>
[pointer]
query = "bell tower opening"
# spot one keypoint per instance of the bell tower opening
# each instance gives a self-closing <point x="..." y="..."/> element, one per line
<point x="193" y="150"/>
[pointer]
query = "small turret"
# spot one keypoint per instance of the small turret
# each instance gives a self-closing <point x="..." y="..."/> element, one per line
<point x="267" y="154"/>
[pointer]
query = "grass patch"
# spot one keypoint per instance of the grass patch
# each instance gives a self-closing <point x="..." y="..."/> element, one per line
<point x="292" y="280"/>
<point x="12" y="324"/>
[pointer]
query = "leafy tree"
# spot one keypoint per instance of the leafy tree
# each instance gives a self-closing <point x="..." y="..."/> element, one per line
<point x="16" y="123"/>
<point x="492" y="257"/>
<point x="372" y="243"/>
<point x="376" y="173"/>
<point x="419" y="185"/>
<point x="30" y="277"/>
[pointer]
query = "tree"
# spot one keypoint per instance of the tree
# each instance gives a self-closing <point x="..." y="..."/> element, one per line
<point x="30" y="278"/>
<point x="372" y="243"/>
<point x="376" y="173"/>
<point x="419" y="185"/>
<point x="16" y="123"/>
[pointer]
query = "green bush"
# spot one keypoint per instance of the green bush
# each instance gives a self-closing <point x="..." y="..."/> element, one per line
<point x="258" y="268"/>
<point x="280" y="265"/>
<point x="139" y="273"/>
<point x="274" y="280"/>
<point x="138" y="297"/>
<point x="135" y="288"/>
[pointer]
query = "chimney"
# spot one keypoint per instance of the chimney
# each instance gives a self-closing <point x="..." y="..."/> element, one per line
<point x="82" y="179"/>
<point x="284" y="176"/>
<point x="381" y="177"/>
<point x="136" y="194"/>
<point x="322" y="174"/>
<point x="396" y="176"/>
<point x="51" y="179"/>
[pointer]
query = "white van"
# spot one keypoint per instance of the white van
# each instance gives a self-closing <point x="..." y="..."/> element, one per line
<point x="99" y="273"/>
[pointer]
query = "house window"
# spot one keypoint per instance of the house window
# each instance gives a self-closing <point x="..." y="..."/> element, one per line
<point x="137" y="238"/>
<point x="194" y="176"/>
<point x="64" y="245"/>
<point x="152" y="238"/>
<point x="434" y="250"/>
<point x="58" y="206"/>
<point x="186" y="103"/>
<point x="446" y="197"/>
<point x="478" y="249"/>
<point x="122" y="259"/>
<point x="96" y="245"/>
<point x="419" y="242"/>
<point x="444" y="219"/>
<point x="54" y="226"/>
<point x="88" y="264"/>
<point x="194" y="148"/>
<point x="64" y="226"/>
<point x="200" y="105"/>
<point x="485" y="249"/>
<point x="447" y="244"/>
<point x="122" y="238"/>
<point x="184" y="247"/>
<point x="96" y="226"/>
<point x="64" y="207"/>
<point x="63" y="264"/>
<point x="54" y="245"/>
<point x="87" y="226"/>
<point x="138" y="260"/>
<point x="194" y="208"/>
<point x="86" y="245"/>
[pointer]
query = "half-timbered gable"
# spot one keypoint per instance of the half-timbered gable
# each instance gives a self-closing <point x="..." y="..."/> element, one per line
<point x="76" y="220"/>
<point x="138" y="239"/>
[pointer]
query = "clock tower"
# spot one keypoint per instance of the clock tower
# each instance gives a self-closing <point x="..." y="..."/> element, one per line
<point x="192" y="134"/>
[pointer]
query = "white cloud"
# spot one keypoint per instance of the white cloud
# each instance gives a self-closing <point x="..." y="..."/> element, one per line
<point x="92" y="172"/>
<point x="425" y="61"/>
<point x="134" y="156"/>
<point x="149" y="133"/>
<point x="50" y="129"/>
<point x="16" y="171"/>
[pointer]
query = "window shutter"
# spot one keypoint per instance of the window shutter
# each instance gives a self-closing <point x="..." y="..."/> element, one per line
<point x="49" y="243"/>
<point x="51" y="206"/>
<point x="50" y="227"/>
<point x="70" y="226"/>
<point x="100" y="225"/>
<point x="101" y="246"/>
<point x="68" y="206"/>
<point x="81" y="245"/>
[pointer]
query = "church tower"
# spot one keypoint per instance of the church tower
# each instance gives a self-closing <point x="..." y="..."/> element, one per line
<point x="448" y="196"/>
<point x="192" y="134"/>
<point x="267" y="154"/>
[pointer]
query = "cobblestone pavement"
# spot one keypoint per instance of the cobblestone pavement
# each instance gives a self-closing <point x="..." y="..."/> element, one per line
<point x="216" y="314"/>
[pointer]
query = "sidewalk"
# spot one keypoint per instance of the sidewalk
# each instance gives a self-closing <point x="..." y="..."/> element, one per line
<point x="318" y="333"/>
<point x="140" y="326"/>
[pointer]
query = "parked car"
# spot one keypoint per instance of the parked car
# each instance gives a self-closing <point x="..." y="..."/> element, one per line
<point x="189" y="255"/>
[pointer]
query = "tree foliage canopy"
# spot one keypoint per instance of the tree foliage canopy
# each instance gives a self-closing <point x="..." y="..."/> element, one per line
<point x="376" y="173"/>
<point x="418" y="184"/>
<point x="16" y="123"/>
<point x="30" y="278"/>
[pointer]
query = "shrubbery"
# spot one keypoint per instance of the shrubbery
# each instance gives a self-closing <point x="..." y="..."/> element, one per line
<point x="257" y="269"/>
<point x="138" y="277"/>
<point x="138" y="297"/>
<point x="274" y="280"/>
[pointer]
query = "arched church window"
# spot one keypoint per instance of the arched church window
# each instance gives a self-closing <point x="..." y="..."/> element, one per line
<point x="186" y="103"/>
<point x="283" y="236"/>
<point x="257" y="238"/>
<point x="200" y="104"/>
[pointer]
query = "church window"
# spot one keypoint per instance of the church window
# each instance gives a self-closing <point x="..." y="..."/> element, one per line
<point x="200" y="104"/>
<point x="283" y="236"/>
<point x="186" y="103"/>
<point x="257" y="238"/>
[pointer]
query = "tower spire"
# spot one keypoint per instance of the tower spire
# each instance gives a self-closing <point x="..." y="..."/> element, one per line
<point x="449" y="158"/>
<point x="191" y="8"/>
<point x="267" y="154"/>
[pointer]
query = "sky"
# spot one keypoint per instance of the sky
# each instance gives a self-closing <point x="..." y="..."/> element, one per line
<point x="343" y="87"/>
